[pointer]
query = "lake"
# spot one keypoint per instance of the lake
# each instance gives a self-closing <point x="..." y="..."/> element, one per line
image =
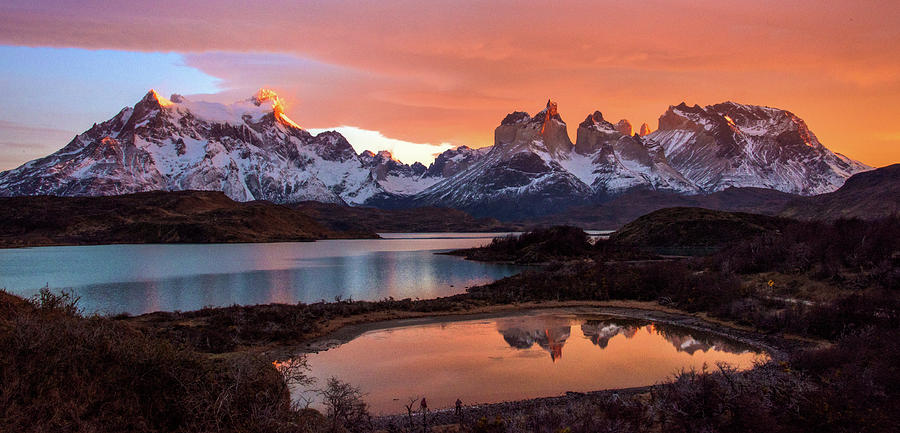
<point x="517" y="357"/>
<point x="139" y="279"/>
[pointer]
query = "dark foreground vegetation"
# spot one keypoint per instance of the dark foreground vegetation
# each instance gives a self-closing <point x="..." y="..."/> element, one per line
<point x="61" y="372"/>
<point x="836" y="281"/>
<point x="807" y="278"/>
<point x="850" y="387"/>
<point x="539" y="246"/>
<point x="693" y="231"/>
<point x="197" y="371"/>
<point x="155" y="217"/>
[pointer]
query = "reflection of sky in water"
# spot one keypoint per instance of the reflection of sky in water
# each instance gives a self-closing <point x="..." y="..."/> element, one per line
<point x="516" y="357"/>
<point x="144" y="278"/>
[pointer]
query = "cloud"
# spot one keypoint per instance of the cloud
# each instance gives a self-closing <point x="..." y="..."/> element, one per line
<point x="449" y="70"/>
<point x="374" y="141"/>
<point x="19" y="128"/>
<point x="21" y="142"/>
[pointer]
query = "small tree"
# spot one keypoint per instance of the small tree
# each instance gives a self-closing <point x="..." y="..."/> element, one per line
<point x="344" y="405"/>
<point x="294" y="371"/>
<point x="410" y="408"/>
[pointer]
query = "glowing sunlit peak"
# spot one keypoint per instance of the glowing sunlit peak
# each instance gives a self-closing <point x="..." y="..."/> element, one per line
<point x="263" y="95"/>
<point x="269" y="95"/>
<point x="550" y="111"/>
<point x="386" y="154"/>
<point x="160" y="99"/>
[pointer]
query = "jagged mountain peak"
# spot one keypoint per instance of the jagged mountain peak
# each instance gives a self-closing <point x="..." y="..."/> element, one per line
<point x="740" y="145"/>
<point x="264" y="104"/>
<point x="452" y="161"/>
<point x="552" y="107"/>
<point x="595" y="121"/>
<point x="516" y="117"/>
<point x="645" y="129"/>
<point x="612" y="160"/>
<point x="380" y="157"/>
<point x="550" y="112"/>
<point x="387" y="155"/>
<point x="729" y="113"/>
<point x="250" y="150"/>
<point x="266" y="95"/>
<point x="624" y="127"/>
<point x="544" y="133"/>
<point x="153" y="96"/>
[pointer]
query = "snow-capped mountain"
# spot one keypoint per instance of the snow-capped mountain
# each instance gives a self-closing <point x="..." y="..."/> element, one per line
<point x="249" y="150"/>
<point x="452" y="161"/>
<point x="521" y="175"/>
<point x="394" y="176"/>
<point x="613" y="163"/>
<point x="734" y="145"/>
<point x="534" y="168"/>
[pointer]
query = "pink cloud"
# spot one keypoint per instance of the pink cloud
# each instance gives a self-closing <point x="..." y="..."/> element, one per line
<point x="447" y="71"/>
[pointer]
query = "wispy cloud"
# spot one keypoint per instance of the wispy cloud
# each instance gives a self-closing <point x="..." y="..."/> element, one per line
<point x="15" y="127"/>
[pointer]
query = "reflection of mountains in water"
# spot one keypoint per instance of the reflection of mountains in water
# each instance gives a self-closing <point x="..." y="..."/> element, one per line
<point x="601" y="331"/>
<point x="548" y="332"/>
<point x="551" y="333"/>
<point x="690" y="341"/>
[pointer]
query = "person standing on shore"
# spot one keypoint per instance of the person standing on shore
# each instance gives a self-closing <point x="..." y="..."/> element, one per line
<point x="424" y="406"/>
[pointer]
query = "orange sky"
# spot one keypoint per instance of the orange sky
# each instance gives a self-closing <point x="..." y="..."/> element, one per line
<point x="448" y="71"/>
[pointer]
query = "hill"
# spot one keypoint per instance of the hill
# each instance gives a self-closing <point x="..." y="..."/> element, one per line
<point x="868" y="195"/>
<point x="425" y="219"/>
<point x="629" y="206"/>
<point x="688" y="230"/>
<point x="154" y="217"/>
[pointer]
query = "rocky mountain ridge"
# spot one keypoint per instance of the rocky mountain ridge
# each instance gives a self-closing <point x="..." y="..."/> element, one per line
<point x="251" y="150"/>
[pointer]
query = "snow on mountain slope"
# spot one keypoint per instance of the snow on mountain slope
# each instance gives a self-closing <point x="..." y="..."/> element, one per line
<point x="394" y="176"/>
<point x="734" y="145"/>
<point x="249" y="150"/>
<point x="520" y="175"/>
<point x="613" y="163"/>
<point x="453" y="161"/>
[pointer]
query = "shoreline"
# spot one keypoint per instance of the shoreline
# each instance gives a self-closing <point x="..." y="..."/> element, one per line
<point x="13" y="246"/>
<point x="469" y="413"/>
<point x="342" y="330"/>
<point x="776" y="347"/>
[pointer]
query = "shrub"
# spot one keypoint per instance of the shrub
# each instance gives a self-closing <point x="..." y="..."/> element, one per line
<point x="63" y="372"/>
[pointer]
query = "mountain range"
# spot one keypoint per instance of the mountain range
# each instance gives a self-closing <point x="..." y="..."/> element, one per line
<point x="251" y="150"/>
